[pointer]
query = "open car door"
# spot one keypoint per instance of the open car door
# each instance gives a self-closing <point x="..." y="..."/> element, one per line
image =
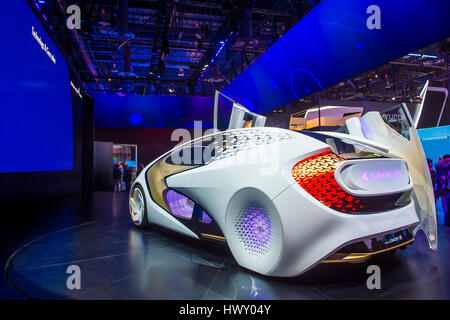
<point x="395" y="129"/>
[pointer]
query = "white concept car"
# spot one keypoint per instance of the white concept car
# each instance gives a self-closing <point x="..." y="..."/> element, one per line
<point x="284" y="201"/>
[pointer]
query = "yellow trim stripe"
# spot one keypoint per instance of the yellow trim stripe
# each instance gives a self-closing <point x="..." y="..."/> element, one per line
<point x="355" y="257"/>
<point x="206" y="235"/>
<point x="131" y="210"/>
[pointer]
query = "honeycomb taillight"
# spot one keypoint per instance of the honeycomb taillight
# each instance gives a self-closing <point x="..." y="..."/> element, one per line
<point x="316" y="175"/>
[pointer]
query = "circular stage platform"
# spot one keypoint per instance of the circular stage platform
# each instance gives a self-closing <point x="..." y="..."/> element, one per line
<point x="118" y="261"/>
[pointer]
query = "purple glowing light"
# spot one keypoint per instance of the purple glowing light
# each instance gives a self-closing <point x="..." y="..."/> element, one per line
<point x="255" y="229"/>
<point x="380" y="174"/>
<point x="180" y="205"/>
<point x="205" y="218"/>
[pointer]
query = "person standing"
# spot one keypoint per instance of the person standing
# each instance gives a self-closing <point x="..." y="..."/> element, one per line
<point x="127" y="177"/>
<point x="139" y="170"/>
<point x="443" y="174"/>
<point x="433" y="178"/>
<point x="117" y="176"/>
<point x="122" y="170"/>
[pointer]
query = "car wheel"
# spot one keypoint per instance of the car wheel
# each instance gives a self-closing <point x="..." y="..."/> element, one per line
<point x="138" y="207"/>
<point x="253" y="230"/>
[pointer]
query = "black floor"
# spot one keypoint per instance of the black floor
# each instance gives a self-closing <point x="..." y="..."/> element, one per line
<point x="118" y="261"/>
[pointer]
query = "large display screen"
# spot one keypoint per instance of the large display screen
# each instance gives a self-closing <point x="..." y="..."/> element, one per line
<point x="335" y="41"/>
<point x="36" y="126"/>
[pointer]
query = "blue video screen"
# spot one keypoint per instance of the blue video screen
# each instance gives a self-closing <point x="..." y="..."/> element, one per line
<point x="36" y="126"/>
<point x="152" y="111"/>
<point x="333" y="43"/>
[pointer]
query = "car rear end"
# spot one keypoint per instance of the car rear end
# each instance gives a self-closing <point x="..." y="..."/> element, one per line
<point x="345" y="204"/>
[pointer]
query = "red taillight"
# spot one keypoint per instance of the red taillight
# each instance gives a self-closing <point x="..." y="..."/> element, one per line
<point x="316" y="175"/>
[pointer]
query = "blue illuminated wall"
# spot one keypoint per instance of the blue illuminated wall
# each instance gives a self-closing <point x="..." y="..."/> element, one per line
<point x="332" y="43"/>
<point x="36" y="126"/>
<point x="149" y="111"/>
<point x="435" y="142"/>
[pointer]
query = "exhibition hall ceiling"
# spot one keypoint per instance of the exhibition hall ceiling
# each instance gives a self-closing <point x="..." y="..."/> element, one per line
<point x="191" y="48"/>
<point x="399" y="80"/>
<point x="174" y="47"/>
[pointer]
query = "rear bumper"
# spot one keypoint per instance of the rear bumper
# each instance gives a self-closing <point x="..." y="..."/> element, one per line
<point x="312" y="231"/>
<point x="339" y="257"/>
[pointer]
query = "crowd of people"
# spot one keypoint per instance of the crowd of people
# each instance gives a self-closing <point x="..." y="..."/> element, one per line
<point x="440" y="176"/>
<point x="123" y="176"/>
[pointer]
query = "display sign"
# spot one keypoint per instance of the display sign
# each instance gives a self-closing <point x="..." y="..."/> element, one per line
<point x="36" y="123"/>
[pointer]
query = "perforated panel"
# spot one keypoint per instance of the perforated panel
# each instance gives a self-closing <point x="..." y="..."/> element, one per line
<point x="244" y="139"/>
<point x="316" y="175"/>
<point x="254" y="229"/>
